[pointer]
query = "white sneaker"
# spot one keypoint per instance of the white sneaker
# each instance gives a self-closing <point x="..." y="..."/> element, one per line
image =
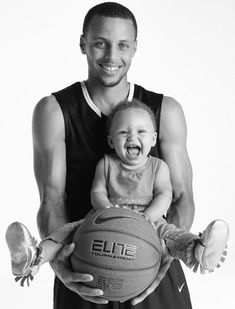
<point x="212" y="247"/>
<point x="23" y="251"/>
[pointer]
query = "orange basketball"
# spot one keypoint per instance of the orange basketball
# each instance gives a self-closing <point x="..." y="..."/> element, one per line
<point x="120" y="249"/>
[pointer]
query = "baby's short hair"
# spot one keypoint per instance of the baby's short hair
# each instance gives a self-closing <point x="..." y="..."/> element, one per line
<point x="130" y="105"/>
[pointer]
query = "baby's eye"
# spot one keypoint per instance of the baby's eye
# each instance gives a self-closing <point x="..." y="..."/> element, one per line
<point x="123" y="132"/>
<point x="141" y="131"/>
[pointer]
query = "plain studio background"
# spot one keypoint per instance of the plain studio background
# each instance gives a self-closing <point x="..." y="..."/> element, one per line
<point x="186" y="50"/>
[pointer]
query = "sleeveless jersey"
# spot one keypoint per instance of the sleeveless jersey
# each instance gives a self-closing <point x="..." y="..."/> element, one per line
<point x="85" y="138"/>
<point x="86" y="143"/>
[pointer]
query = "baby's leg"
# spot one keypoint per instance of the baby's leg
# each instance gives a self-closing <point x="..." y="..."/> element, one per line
<point x="206" y="250"/>
<point x="27" y="256"/>
<point x="180" y="244"/>
<point x="50" y="246"/>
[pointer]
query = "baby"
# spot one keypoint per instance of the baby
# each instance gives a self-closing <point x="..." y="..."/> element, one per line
<point x="132" y="178"/>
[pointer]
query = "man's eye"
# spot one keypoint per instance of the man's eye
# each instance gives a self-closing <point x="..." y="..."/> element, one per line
<point x="141" y="131"/>
<point x="123" y="46"/>
<point x="99" y="44"/>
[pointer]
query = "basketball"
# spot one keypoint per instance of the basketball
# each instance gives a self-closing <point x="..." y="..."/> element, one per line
<point x="120" y="249"/>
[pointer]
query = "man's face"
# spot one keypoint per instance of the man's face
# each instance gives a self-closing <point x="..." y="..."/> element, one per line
<point x="109" y="45"/>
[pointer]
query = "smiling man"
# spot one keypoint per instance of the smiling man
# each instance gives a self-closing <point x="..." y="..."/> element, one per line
<point x="108" y="60"/>
<point x="69" y="138"/>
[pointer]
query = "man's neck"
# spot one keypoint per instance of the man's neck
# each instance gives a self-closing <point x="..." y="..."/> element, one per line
<point x="106" y="98"/>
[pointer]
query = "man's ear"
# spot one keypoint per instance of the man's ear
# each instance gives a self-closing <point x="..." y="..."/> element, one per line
<point x="110" y="141"/>
<point x="135" y="47"/>
<point x="82" y="44"/>
<point x="154" y="139"/>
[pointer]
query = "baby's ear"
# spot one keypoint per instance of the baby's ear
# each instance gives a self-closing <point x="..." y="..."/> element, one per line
<point x="110" y="141"/>
<point x="154" y="139"/>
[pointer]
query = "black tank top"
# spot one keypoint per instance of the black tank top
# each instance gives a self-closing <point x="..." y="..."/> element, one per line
<point x="86" y="143"/>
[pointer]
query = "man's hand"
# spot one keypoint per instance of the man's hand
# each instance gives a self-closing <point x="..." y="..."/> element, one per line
<point x="165" y="264"/>
<point x="74" y="281"/>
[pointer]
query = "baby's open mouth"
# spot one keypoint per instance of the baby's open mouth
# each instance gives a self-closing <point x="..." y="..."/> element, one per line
<point x="133" y="150"/>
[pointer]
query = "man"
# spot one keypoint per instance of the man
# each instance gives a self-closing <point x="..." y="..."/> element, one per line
<point x="69" y="139"/>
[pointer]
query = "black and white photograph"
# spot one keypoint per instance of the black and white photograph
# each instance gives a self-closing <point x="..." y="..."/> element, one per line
<point x="117" y="157"/>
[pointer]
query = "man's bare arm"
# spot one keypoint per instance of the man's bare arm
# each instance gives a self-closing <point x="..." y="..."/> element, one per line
<point x="50" y="173"/>
<point x="49" y="164"/>
<point x="173" y="149"/>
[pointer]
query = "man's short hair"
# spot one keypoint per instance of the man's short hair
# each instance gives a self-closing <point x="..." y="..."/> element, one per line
<point x="109" y="9"/>
<point x="130" y="105"/>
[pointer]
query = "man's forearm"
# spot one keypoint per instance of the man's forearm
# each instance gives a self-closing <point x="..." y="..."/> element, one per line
<point x="181" y="212"/>
<point x="50" y="218"/>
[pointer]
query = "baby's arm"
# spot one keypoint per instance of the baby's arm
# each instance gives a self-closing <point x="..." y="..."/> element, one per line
<point x="99" y="193"/>
<point x="162" y="193"/>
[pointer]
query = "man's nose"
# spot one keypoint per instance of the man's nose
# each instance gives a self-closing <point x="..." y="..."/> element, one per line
<point x="111" y="53"/>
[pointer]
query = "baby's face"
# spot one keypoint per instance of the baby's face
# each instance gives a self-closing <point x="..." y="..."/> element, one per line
<point x="132" y="135"/>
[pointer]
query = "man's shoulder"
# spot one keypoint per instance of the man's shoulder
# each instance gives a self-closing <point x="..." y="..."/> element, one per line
<point x="47" y="123"/>
<point x="68" y="89"/>
<point x="47" y="105"/>
<point x="51" y="103"/>
<point x="170" y="102"/>
<point x="144" y="92"/>
<point x="173" y="124"/>
<point x="47" y="114"/>
<point x="171" y="108"/>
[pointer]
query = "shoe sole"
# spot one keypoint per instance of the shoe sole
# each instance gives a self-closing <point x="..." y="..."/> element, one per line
<point x="214" y="240"/>
<point x="16" y="236"/>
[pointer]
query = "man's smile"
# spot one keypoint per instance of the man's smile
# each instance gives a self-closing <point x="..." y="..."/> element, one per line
<point x="109" y="68"/>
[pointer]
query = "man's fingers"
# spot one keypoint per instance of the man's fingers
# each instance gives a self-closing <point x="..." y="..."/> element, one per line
<point x="77" y="277"/>
<point x="163" y="269"/>
<point x="139" y="298"/>
<point x="86" y="291"/>
<point x="67" y="251"/>
<point x="96" y="300"/>
<point x="92" y="295"/>
<point x="146" y="293"/>
<point x="166" y="264"/>
<point x="74" y="281"/>
<point x="74" y="278"/>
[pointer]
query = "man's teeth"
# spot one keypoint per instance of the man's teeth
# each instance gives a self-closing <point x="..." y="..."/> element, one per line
<point x="110" y="68"/>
